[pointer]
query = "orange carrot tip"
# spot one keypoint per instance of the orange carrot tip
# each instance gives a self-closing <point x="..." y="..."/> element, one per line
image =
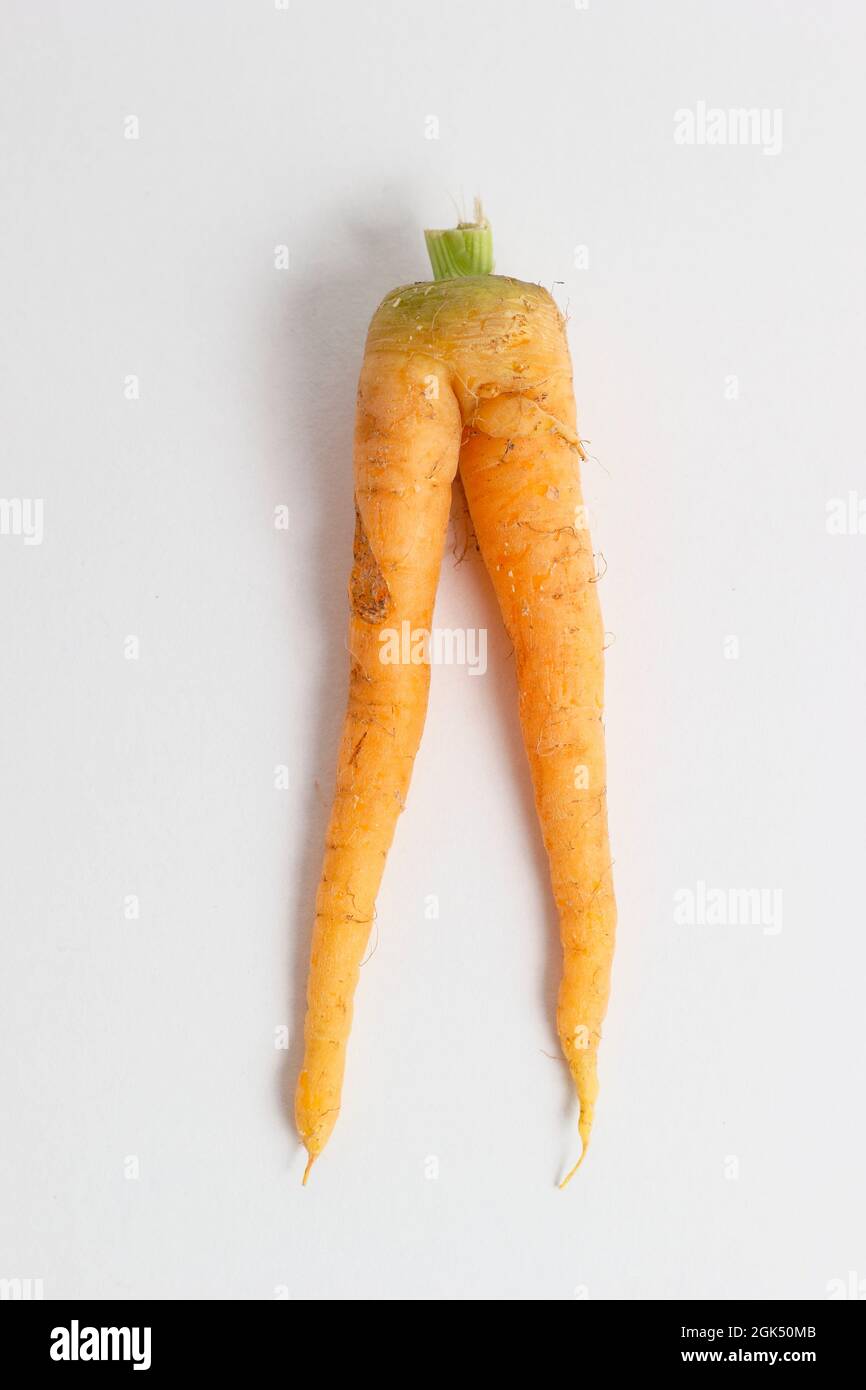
<point x="568" y="1177"/>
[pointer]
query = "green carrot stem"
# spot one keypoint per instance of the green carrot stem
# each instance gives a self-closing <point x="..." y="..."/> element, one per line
<point x="466" y="249"/>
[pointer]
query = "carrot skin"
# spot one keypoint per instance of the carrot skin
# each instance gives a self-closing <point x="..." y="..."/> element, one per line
<point x="406" y="446"/>
<point x="524" y="499"/>
<point x="472" y="372"/>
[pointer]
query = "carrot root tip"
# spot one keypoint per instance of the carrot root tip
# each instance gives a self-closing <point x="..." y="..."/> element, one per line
<point x="568" y="1177"/>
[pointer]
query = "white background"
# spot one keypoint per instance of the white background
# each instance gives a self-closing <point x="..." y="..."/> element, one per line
<point x="728" y="1049"/>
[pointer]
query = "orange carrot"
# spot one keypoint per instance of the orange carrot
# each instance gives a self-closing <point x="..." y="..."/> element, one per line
<point x="470" y="370"/>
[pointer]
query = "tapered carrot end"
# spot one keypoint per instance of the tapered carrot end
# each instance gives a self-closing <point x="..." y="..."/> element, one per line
<point x="584" y="1129"/>
<point x="310" y="1161"/>
<point x="568" y="1177"/>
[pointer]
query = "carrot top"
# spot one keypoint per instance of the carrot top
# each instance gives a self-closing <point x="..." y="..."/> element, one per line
<point x="466" y="249"/>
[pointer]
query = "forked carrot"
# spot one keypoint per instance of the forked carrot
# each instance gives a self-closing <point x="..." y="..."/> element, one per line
<point x="468" y="371"/>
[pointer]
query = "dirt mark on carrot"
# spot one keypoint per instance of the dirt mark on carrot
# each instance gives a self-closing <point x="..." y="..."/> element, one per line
<point x="369" y="591"/>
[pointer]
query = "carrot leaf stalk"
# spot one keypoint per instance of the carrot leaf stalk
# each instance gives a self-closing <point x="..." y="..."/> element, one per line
<point x="466" y="249"/>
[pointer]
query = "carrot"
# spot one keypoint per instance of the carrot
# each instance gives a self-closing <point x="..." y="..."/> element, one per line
<point x="470" y="370"/>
